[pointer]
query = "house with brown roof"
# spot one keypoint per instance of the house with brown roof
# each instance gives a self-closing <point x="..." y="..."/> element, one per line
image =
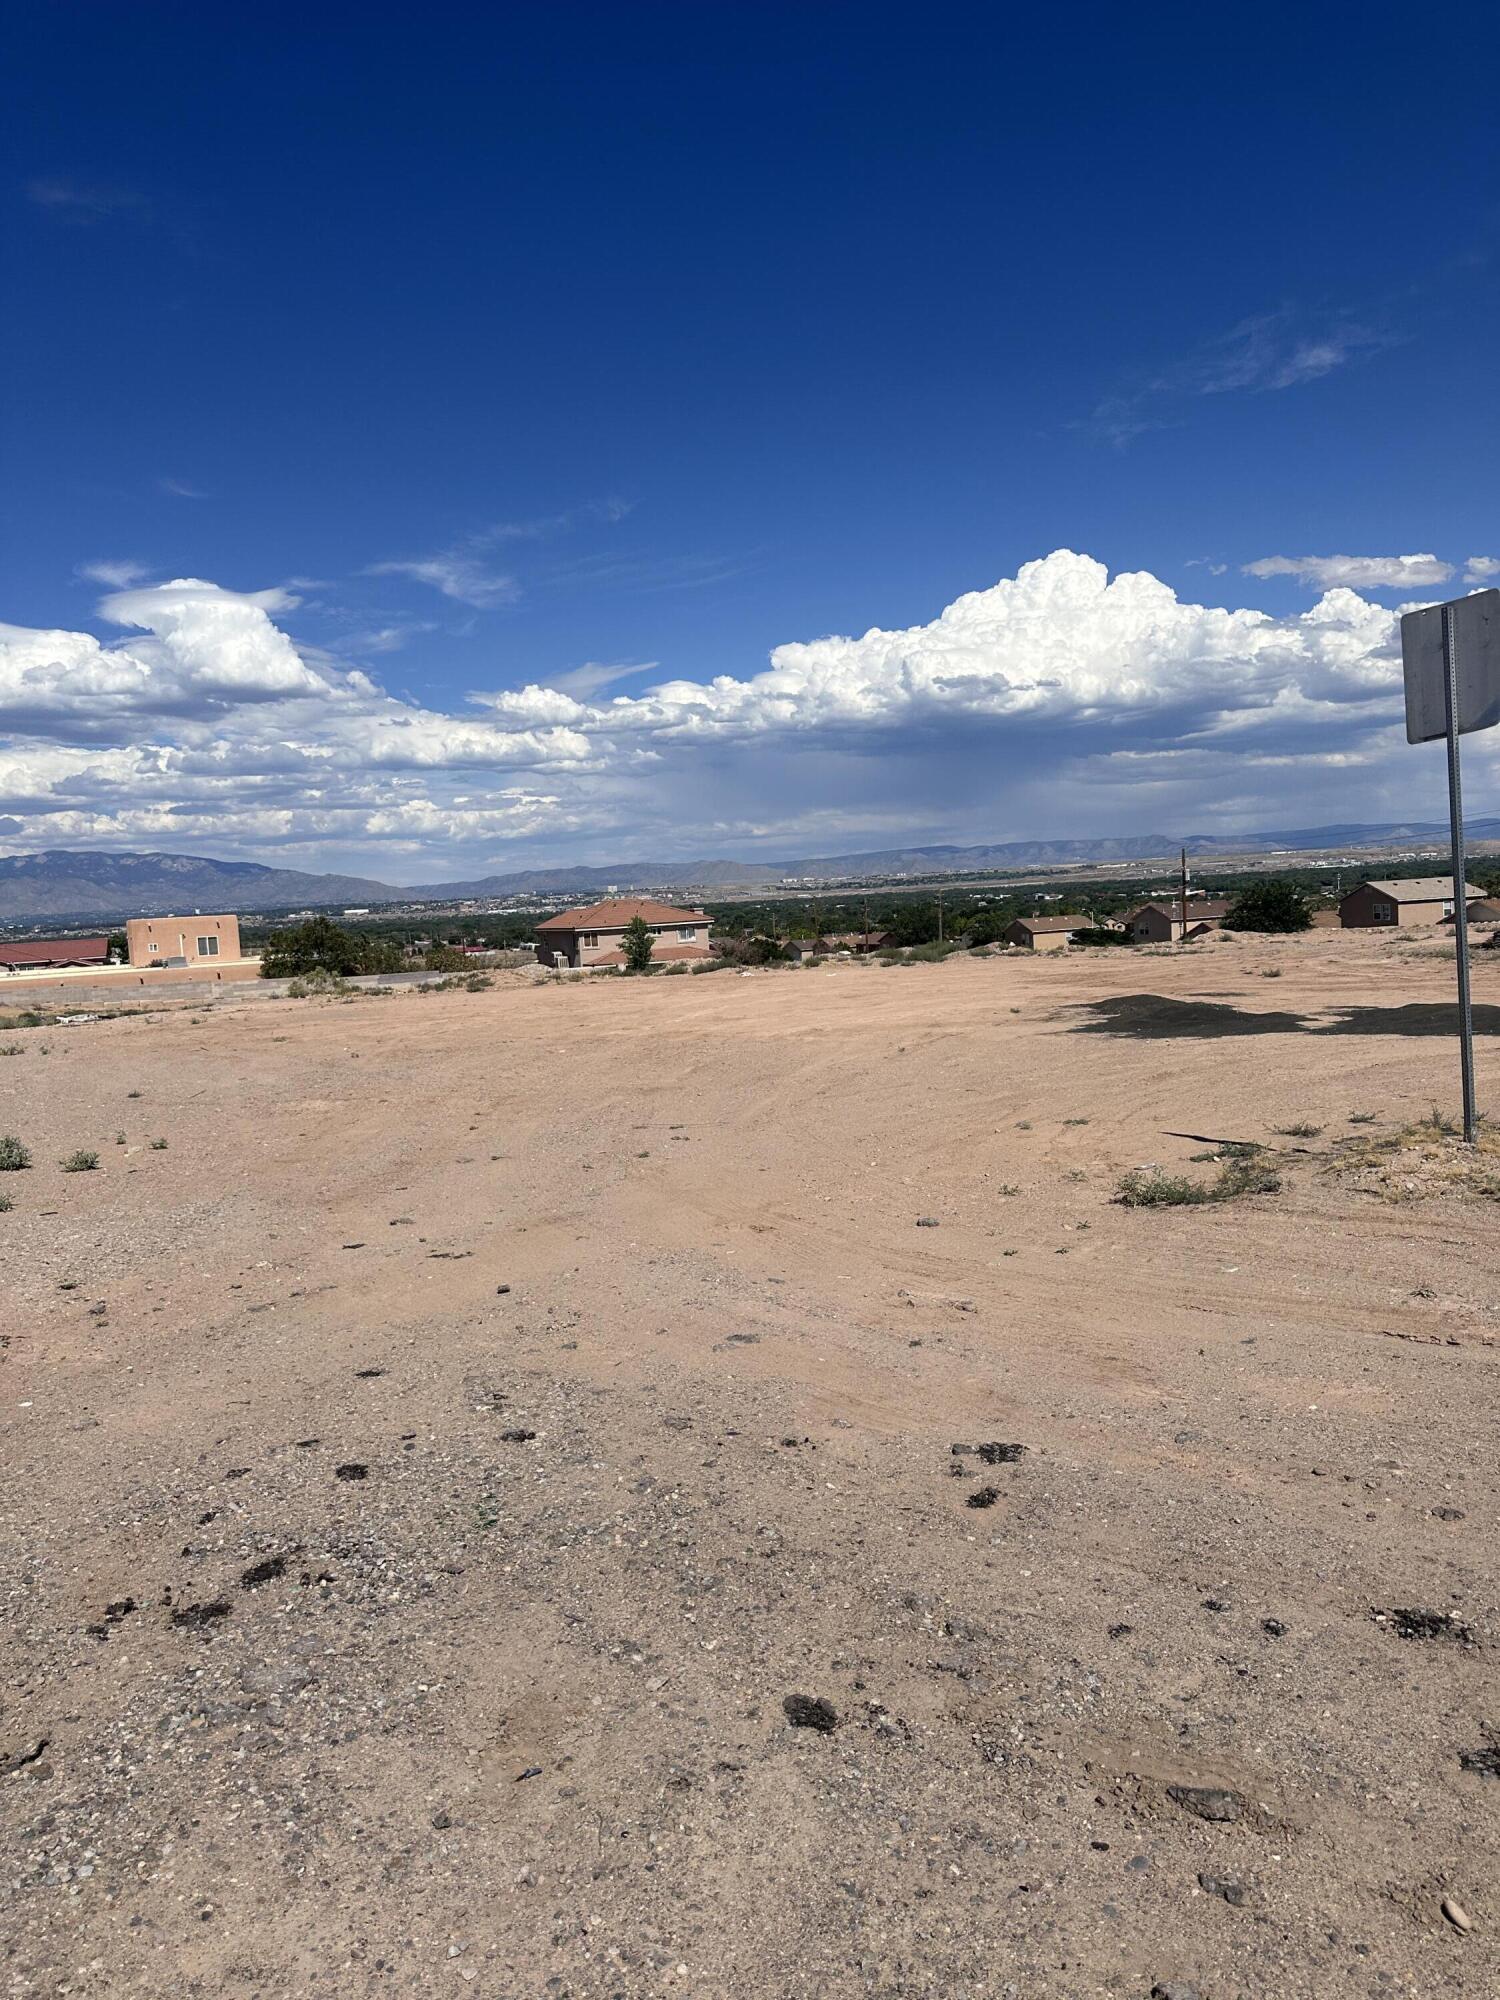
<point x="1422" y="899"/>
<point x="1043" y="933"/>
<point x="822" y="947"/>
<point x="37" y="954"/>
<point x="1160" y="922"/>
<point x="593" y="934"/>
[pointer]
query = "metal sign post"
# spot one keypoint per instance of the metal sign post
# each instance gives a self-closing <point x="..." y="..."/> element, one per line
<point x="1450" y="655"/>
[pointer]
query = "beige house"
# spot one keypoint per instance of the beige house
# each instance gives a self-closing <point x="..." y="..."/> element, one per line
<point x="194" y="941"/>
<point x="1425" y="899"/>
<point x="593" y="934"/>
<point x="1043" y="933"/>
<point x="1161" y="922"/>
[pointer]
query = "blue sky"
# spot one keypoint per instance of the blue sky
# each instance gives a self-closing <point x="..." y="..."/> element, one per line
<point x="610" y="352"/>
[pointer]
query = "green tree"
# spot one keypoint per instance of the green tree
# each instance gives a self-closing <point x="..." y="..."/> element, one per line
<point x="1268" y="906"/>
<point x="319" y="945"/>
<point x="638" y="945"/>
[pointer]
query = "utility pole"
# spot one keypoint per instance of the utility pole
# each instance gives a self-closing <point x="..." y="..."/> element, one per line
<point x="940" y="916"/>
<point x="1183" y="901"/>
<point x="867" y="923"/>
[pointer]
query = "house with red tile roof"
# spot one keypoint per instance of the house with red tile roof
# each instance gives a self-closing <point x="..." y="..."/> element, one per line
<point x="593" y="934"/>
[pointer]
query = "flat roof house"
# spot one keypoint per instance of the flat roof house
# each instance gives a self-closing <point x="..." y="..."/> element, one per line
<point x="182" y="940"/>
<point x="593" y="934"/>
<point x="1043" y="933"/>
<point x="1425" y="899"/>
<point x="1161" y="922"/>
<point x="36" y="954"/>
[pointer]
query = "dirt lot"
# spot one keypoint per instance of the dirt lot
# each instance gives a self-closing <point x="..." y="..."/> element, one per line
<point x="428" y="1476"/>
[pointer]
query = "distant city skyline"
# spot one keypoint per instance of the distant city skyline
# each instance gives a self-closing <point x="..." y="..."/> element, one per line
<point x="451" y="447"/>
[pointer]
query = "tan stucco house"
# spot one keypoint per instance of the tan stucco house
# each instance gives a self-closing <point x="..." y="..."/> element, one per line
<point x="1043" y="933"/>
<point x="1425" y="899"/>
<point x="181" y="941"/>
<point x="593" y="934"/>
<point x="1161" y="922"/>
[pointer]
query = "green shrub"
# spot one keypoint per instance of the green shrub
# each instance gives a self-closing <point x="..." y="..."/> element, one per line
<point x="158" y="1145"/>
<point x="80" y="1162"/>
<point x="6" y="1204"/>
<point x="1241" y="1174"/>
<point x="13" y="1155"/>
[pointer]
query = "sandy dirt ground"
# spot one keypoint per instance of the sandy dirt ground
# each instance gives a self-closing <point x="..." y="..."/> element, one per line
<point x="490" y="1507"/>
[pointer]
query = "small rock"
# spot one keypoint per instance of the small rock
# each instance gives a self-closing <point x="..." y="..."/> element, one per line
<point x="1484" y="1763"/>
<point x="1211" y="1802"/>
<point x="1228" y="1888"/>
<point x="1120" y="1631"/>
<point x="1457" y="1915"/>
<point x="1174" y="1990"/>
<point x="1217" y="1604"/>
<point x="351" y="1471"/>
<point x="501" y="1290"/>
<point x="984" y="1496"/>
<point x="1273" y="1628"/>
<point x="927" y="1222"/>
<point x="1448" y="1513"/>
<point x="441" y="1821"/>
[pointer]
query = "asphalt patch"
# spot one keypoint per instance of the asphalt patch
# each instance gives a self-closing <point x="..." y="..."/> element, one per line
<point x="1407" y="1622"/>
<point x="201" y="1617"/>
<point x="810" y="1711"/>
<point x="265" y="1571"/>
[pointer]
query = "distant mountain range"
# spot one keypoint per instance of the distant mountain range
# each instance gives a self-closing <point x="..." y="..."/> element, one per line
<point x="84" y="882"/>
<point x="96" y="884"/>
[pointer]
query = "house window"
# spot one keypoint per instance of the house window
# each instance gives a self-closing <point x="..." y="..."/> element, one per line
<point x="687" y="932"/>
<point x="208" y="947"/>
<point x="1384" y="913"/>
<point x="153" y="947"/>
<point x="589" y="940"/>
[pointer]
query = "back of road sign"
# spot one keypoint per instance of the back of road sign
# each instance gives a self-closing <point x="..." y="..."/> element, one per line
<point x="1476" y="680"/>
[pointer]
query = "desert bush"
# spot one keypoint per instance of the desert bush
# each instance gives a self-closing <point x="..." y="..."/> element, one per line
<point x="1301" y="1130"/>
<point x="6" y="1204"/>
<point x="81" y="1162"/>
<point x="1241" y="1174"/>
<point x="158" y="1145"/>
<point x="13" y="1155"/>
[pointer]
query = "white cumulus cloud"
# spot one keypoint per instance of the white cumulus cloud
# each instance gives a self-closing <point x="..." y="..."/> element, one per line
<point x="1358" y="572"/>
<point x="1059" y="692"/>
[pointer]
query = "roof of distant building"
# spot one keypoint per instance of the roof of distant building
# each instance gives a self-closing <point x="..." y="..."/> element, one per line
<point x="1054" y="923"/>
<point x="55" y="951"/>
<point x="617" y="912"/>
<point x="1420" y="889"/>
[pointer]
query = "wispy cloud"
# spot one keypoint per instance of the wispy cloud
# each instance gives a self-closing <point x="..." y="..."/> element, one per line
<point x="116" y="575"/>
<point x="468" y="572"/>
<point x="83" y="202"/>
<point x="1357" y="572"/>
<point x="458" y="573"/>
<point x="649" y="572"/>
<point x="181" y="490"/>
<point x="1257" y="356"/>
<point x="581" y="682"/>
